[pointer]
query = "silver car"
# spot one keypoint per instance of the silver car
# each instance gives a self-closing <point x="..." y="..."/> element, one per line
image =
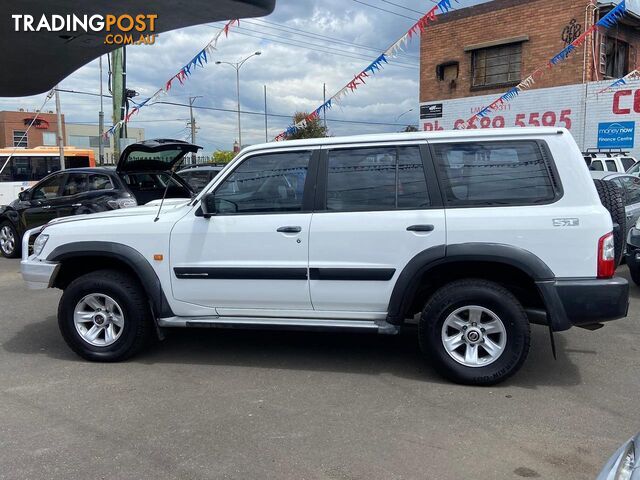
<point x="625" y="463"/>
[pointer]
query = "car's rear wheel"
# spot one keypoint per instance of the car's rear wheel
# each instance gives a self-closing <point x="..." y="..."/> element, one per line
<point x="474" y="332"/>
<point x="104" y="316"/>
<point x="9" y="240"/>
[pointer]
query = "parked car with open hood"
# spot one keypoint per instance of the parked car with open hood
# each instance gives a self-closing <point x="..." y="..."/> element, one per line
<point x="142" y="174"/>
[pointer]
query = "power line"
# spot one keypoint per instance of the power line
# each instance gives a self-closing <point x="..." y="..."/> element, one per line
<point x="406" y="8"/>
<point x="385" y="10"/>
<point x="320" y="48"/>
<point x="318" y="36"/>
<point x="244" y="112"/>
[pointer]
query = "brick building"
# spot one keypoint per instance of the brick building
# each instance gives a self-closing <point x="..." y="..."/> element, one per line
<point x="43" y="132"/>
<point x="471" y="56"/>
<point x="488" y="48"/>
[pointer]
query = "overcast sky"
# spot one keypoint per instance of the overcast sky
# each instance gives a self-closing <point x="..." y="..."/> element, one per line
<point x="304" y="43"/>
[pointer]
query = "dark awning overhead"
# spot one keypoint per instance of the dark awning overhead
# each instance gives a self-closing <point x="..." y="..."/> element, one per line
<point x="33" y="62"/>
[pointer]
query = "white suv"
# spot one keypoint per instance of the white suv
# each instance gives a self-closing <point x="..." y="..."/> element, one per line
<point x="482" y="232"/>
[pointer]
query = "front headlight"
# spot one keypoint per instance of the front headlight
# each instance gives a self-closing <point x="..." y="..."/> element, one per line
<point x="122" y="203"/>
<point x="626" y="463"/>
<point x="38" y="245"/>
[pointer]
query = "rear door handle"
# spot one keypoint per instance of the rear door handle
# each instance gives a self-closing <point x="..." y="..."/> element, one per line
<point x="289" y="230"/>
<point x="420" y="228"/>
<point x="46" y="206"/>
<point x="76" y="205"/>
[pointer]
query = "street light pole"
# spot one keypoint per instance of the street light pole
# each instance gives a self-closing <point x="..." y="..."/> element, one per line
<point x="237" y="66"/>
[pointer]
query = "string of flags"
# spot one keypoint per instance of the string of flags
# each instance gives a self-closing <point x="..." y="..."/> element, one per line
<point x="634" y="75"/>
<point x="198" y="61"/>
<point x="606" y="22"/>
<point x="443" y="6"/>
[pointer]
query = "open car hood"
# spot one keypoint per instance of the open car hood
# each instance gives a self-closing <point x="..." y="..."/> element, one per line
<point x="160" y="154"/>
<point x="39" y="60"/>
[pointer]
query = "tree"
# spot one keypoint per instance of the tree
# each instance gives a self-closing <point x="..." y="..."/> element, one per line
<point x="314" y="128"/>
<point x="223" y="156"/>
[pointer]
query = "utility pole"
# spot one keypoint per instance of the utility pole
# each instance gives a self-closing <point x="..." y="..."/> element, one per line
<point x="117" y="96"/>
<point x="324" y="110"/>
<point x="266" y="135"/>
<point x="192" y="124"/>
<point x="59" y="130"/>
<point x="101" y="121"/>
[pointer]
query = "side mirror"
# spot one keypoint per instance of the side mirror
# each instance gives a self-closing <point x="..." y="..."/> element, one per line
<point x="208" y="205"/>
<point x="212" y="205"/>
<point x="23" y="196"/>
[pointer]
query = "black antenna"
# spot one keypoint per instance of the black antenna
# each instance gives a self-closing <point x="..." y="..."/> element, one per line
<point x="166" y="189"/>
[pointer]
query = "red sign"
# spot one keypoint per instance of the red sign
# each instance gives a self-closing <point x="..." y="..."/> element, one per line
<point x="38" y="123"/>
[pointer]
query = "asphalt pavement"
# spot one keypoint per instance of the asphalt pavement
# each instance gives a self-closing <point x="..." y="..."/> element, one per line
<point x="217" y="404"/>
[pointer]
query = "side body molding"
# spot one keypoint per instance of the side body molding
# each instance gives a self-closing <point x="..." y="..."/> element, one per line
<point x="131" y="257"/>
<point x="409" y="278"/>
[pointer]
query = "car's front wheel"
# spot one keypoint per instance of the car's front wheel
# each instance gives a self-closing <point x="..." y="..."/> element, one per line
<point x="9" y="240"/>
<point x="474" y="332"/>
<point x="104" y="316"/>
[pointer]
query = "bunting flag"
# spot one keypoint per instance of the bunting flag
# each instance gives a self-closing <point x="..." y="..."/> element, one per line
<point x="608" y="21"/>
<point x="634" y="75"/>
<point x="443" y="6"/>
<point x="198" y="61"/>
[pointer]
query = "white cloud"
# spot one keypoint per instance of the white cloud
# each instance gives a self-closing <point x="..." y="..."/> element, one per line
<point x="294" y="68"/>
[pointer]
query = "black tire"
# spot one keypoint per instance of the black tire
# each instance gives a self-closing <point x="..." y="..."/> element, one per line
<point x="488" y="295"/>
<point x="6" y="229"/>
<point x="612" y="197"/>
<point x="132" y="301"/>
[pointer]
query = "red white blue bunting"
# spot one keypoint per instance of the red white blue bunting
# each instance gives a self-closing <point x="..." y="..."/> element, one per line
<point x="198" y="61"/>
<point x="443" y="6"/>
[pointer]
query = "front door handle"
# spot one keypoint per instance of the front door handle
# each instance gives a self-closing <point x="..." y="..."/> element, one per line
<point x="289" y="230"/>
<point x="46" y="206"/>
<point x="420" y="228"/>
<point x="76" y="205"/>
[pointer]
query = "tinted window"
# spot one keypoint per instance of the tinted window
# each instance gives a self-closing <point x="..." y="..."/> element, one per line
<point x="376" y="178"/>
<point x="23" y="168"/>
<point x="48" y="189"/>
<point x="494" y="173"/>
<point x="99" y="182"/>
<point x="198" y="179"/>
<point x="611" y="166"/>
<point x="597" y="165"/>
<point x="264" y="184"/>
<point x="76" y="183"/>
<point x="627" y="163"/>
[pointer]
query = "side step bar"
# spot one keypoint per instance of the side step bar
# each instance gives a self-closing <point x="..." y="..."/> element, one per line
<point x="317" y="324"/>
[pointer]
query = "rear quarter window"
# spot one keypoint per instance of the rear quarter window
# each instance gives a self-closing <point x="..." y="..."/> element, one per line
<point x="496" y="173"/>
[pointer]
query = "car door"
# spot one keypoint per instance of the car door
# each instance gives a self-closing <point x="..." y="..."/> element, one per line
<point x="43" y="199"/>
<point x="253" y="253"/>
<point x="374" y="213"/>
<point x="74" y="193"/>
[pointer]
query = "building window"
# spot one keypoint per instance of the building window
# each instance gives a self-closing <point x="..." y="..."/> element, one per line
<point x="20" y="138"/>
<point x="614" y="58"/>
<point x="49" y="138"/>
<point x="447" y="71"/>
<point x="495" y="66"/>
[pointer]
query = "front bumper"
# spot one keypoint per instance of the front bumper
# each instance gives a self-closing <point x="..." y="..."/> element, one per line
<point x="36" y="273"/>
<point x="582" y="302"/>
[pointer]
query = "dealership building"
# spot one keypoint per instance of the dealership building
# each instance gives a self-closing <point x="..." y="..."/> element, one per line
<point x="471" y="56"/>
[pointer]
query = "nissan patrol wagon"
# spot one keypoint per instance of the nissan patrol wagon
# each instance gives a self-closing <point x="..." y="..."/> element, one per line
<point x="474" y="234"/>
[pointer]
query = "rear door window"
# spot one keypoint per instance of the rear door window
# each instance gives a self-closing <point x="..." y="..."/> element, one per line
<point x="495" y="173"/>
<point x="376" y="178"/>
<point x="597" y="165"/>
<point x="611" y="166"/>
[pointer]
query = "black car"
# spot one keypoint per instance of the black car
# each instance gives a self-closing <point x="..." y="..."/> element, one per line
<point x="143" y="174"/>
<point x="199" y="176"/>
